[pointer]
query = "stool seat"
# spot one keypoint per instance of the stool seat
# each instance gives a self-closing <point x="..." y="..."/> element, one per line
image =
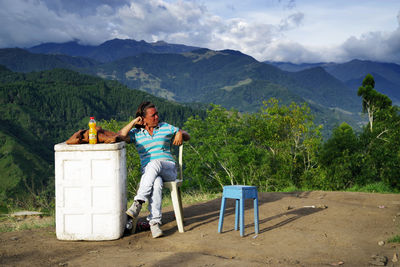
<point x="240" y="193"/>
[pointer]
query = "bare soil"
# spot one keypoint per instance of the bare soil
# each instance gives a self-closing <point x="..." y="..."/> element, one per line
<point x="343" y="228"/>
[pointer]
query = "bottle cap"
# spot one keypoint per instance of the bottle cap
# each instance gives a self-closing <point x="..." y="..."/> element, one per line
<point x="92" y="118"/>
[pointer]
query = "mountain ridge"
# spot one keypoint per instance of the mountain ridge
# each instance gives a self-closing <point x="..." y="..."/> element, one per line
<point x="110" y="50"/>
<point x="226" y="77"/>
<point x="352" y="73"/>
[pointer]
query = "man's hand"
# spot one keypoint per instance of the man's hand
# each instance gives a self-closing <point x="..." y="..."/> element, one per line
<point x="138" y="120"/>
<point x="124" y="132"/>
<point x="178" y="140"/>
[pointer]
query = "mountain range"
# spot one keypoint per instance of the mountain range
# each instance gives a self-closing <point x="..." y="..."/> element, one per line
<point x="352" y="73"/>
<point x="110" y="50"/>
<point x="229" y="78"/>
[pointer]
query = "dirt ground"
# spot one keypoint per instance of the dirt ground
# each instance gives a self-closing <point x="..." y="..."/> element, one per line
<point x="342" y="230"/>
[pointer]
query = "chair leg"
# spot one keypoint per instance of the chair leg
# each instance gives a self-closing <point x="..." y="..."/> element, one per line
<point x="177" y="203"/>
<point x="180" y="204"/>
<point x="241" y="212"/>
<point x="221" y="215"/>
<point x="256" y="230"/>
<point x="237" y="214"/>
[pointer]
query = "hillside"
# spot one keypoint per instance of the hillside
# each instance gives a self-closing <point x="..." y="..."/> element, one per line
<point x="110" y="50"/>
<point x="387" y="76"/>
<point x="204" y="74"/>
<point x="20" y="60"/>
<point x="317" y="80"/>
<point x="352" y="73"/>
<point x="235" y="80"/>
<point x="40" y="109"/>
<point x="227" y="77"/>
<point x="207" y="72"/>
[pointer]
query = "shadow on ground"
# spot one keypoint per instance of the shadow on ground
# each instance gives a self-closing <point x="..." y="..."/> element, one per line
<point x="206" y="213"/>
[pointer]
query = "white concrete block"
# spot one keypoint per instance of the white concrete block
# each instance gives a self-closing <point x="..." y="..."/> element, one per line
<point x="90" y="191"/>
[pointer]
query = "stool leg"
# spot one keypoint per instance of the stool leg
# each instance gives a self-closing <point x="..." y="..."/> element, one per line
<point x="256" y="227"/>
<point x="241" y="217"/>
<point x="221" y="215"/>
<point x="237" y="214"/>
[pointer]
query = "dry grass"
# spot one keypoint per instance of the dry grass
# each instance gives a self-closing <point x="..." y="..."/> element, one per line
<point x="17" y="223"/>
<point x="10" y="223"/>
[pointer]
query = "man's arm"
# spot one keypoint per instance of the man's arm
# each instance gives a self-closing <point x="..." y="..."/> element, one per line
<point x="180" y="136"/>
<point x="124" y="132"/>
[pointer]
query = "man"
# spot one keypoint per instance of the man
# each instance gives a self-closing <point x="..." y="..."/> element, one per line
<point x="153" y="143"/>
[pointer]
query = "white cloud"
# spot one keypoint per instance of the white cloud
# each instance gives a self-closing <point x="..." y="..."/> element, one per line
<point x="27" y="22"/>
<point x="303" y="31"/>
<point x="291" y="22"/>
<point x="148" y="19"/>
<point x="376" y="46"/>
<point x="291" y="51"/>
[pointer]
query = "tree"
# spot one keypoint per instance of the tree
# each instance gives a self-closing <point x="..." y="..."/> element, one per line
<point x="289" y="134"/>
<point x="381" y="149"/>
<point x="340" y="159"/>
<point x="372" y="101"/>
<point x="380" y="141"/>
<point x="215" y="150"/>
<point x="271" y="149"/>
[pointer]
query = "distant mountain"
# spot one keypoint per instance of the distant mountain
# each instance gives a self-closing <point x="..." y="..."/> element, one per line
<point x="226" y="77"/>
<point x="110" y="50"/>
<point x="316" y="81"/>
<point x="292" y="67"/>
<point x="359" y="68"/>
<point x="352" y="73"/>
<point x="20" y="60"/>
<point x="40" y="109"/>
<point x="386" y="75"/>
<point x="204" y="75"/>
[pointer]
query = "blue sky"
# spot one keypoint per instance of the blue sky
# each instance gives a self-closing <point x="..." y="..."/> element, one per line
<point x="276" y="30"/>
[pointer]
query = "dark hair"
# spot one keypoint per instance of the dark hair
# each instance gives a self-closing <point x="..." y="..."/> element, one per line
<point x="142" y="109"/>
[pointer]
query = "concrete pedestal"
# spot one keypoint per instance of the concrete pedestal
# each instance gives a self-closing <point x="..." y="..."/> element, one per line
<point x="90" y="191"/>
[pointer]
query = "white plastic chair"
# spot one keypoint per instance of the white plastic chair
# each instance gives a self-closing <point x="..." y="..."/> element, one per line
<point x="176" y="193"/>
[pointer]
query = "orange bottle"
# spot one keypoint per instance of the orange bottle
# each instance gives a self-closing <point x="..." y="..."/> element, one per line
<point x="92" y="131"/>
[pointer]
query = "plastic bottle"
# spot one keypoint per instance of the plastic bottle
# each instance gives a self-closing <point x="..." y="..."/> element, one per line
<point x="92" y="131"/>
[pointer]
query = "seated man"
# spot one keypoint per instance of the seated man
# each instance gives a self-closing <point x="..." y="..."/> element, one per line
<point x="153" y="143"/>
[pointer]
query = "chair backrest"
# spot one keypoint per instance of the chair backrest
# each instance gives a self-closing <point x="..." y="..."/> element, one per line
<point x="180" y="161"/>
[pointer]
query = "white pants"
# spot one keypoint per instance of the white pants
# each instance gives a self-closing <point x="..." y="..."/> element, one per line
<point x="151" y="184"/>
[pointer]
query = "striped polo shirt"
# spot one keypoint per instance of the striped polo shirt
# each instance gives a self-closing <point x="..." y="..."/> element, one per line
<point x="156" y="147"/>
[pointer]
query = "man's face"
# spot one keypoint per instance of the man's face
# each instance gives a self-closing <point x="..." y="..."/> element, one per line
<point x="151" y="118"/>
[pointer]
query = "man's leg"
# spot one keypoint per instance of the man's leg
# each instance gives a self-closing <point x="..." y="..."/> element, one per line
<point x="149" y="175"/>
<point x="150" y="188"/>
<point x="155" y="202"/>
<point x="168" y="173"/>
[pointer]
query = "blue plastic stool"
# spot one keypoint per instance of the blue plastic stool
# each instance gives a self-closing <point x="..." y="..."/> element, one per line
<point x="240" y="193"/>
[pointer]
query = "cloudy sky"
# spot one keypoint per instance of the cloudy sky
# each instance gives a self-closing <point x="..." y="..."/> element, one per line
<point x="278" y="30"/>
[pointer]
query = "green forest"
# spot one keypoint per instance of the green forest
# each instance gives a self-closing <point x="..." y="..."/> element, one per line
<point x="41" y="109"/>
<point x="276" y="148"/>
<point x="279" y="148"/>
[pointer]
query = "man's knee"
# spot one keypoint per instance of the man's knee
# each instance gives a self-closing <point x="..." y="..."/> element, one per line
<point x="153" y="165"/>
